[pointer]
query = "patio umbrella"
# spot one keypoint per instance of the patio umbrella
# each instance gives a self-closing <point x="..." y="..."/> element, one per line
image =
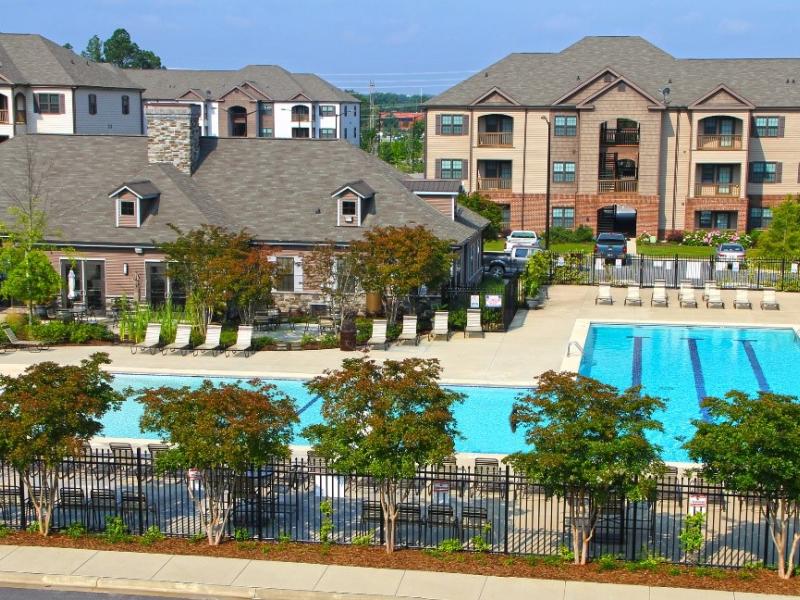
<point x="71" y="285"/>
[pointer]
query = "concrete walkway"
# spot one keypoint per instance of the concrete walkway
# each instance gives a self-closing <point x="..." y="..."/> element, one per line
<point x="206" y="577"/>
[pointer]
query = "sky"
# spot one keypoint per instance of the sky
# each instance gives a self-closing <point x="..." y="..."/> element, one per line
<point x="408" y="46"/>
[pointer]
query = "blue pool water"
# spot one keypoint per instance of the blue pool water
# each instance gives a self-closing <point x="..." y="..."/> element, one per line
<point x="683" y="364"/>
<point x="482" y="417"/>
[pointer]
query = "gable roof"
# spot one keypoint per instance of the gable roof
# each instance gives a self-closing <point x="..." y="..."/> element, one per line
<point x="542" y="79"/>
<point x="142" y="188"/>
<point x="722" y="89"/>
<point x="30" y="59"/>
<point x="360" y="187"/>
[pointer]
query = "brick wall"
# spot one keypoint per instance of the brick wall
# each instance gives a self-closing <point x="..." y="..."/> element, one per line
<point x="737" y="205"/>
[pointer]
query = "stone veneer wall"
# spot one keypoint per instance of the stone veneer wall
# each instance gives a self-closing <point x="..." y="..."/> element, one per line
<point x="173" y="135"/>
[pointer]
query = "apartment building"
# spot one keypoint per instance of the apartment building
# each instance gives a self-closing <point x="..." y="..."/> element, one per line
<point x="45" y="88"/>
<point x="257" y="101"/>
<point x="623" y="137"/>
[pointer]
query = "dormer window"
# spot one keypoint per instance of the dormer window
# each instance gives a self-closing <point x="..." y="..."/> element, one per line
<point x="349" y="208"/>
<point x="134" y="201"/>
<point x="352" y="203"/>
<point x="127" y="208"/>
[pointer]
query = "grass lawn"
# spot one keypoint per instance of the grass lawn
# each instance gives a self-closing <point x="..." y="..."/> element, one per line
<point x="659" y="249"/>
<point x="494" y="245"/>
<point x="567" y="247"/>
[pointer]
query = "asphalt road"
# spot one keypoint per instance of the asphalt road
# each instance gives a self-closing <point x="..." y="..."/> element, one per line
<point x="31" y="594"/>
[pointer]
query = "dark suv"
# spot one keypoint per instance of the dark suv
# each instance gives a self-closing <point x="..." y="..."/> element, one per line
<point x="611" y="246"/>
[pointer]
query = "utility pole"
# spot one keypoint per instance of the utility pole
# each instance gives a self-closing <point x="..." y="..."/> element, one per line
<point x="375" y="142"/>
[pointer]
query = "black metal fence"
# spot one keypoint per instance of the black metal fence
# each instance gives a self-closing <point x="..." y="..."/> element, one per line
<point x="498" y="304"/>
<point x="755" y="273"/>
<point x="487" y="504"/>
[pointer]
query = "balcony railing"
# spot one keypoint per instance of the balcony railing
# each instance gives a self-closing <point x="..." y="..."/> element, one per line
<point x="716" y="189"/>
<point x="4" y="116"/>
<point x="299" y="117"/>
<point x="497" y="139"/>
<point x="494" y="183"/>
<point x="723" y="141"/>
<point x="607" y="186"/>
<point x="619" y="137"/>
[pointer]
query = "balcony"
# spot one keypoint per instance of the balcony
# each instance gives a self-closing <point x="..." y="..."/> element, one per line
<point x="719" y="141"/>
<point x="486" y="184"/>
<point x="726" y="190"/>
<point x="610" y="186"/>
<point x="299" y="117"/>
<point x="500" y="139"/>
<point x="4" y="117"/>
<point x="619" y="137"/>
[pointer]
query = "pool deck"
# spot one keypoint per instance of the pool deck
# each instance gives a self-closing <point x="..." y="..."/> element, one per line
<point x="536" y="342"/>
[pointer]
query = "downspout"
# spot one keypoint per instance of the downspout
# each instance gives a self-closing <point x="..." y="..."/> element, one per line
<point x="524" y="164"/>
<point x="470" y="169"/>
<point x="675" y="171"/>
<point x="74" y="112"/>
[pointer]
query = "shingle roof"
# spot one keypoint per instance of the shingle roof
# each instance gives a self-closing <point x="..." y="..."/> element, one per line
<point x="258" y="184"/>
<point x="446" y="186"/>
<point x="31" y="59"/>
<point x="539" y="79"/>
<point x="144" y="188"/>
<point x="360" y="187"/>
<point x="275" y="81"/>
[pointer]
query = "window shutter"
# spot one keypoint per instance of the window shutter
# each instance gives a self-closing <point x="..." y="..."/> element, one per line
<point x="798" y="173"/>
<point x="36" y="103"/>
<point x="465" y="168"/>
<point x="778" y="172"/>
<point x="781" y="126"/>
<point x="438" y="124"/>
<point x="465" y="128"/>
<point x="438" y="168"/>
<point x="298" y="273"/>
<point x="61" y="107"/>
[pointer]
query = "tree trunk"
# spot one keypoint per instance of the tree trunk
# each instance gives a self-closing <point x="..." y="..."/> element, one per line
<point x="388" y="491"/>
<point x="780" y="513"/>
<point x="44" y="501"/>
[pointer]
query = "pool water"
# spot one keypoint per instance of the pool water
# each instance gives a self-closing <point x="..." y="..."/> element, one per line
<point x="683" y="364"/>
<point x="483" y="417"/>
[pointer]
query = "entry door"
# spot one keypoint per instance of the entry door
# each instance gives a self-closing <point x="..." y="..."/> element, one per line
<point x="94" y="282"/>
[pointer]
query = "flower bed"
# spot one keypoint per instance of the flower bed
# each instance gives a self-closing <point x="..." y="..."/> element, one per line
<point x="715" y="237"/>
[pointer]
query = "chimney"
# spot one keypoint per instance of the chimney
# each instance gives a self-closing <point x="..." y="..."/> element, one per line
<point x="173" y="135"/>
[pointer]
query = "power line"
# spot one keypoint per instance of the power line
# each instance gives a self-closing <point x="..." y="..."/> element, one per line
<point x="409" y="81"/>
<point x="398" y="73"/>
<point x="366" y="87"/>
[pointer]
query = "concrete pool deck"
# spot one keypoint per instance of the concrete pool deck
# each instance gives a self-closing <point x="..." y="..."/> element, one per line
<point x="537" y="341"/>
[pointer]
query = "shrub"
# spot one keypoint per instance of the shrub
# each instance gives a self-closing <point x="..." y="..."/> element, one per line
<point x="692" y="536"/>
<point x="5" y="530"/>
<point x="675" y="237"/>
<point x="715" y="237"/>
<point x="643" y="238"/>
<point x="58" y="332"/>
<point x="607" y="562"/>
<point x="116" y="531"/>
<point x="34" y="527"/>
<point x="363" y="330"/>
<point x="259" y="343"/>
<point x="17" y="323"/>
<point x="151" y="536"/>
<point x="241" y="534"/>
<point x="307" y="339"/>
<point x="365" y="539"/>
<point x="326" y="524"/>
<point x="449" y="546"/>
<point x="561" y="235"/>
<point x="458" y="319"/>
<point x="227" y="337"/>
<point x="394" y="330"/>
<point x="75" y="530"/>
<point x="329" y="340"/>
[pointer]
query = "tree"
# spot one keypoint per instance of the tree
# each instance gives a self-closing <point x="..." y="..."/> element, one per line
<point x="122" y="51"/>
<point x="68" y="46"/>
<point x="221" y="432"/>
<point x="252" y="283"/>
<point x="384" y="421"/>
<point x="29" y="277"/>
<point x="334" y="271"/>
<point x="395" y="261"/>
<point x="753" y="446"/>
<point x="782" y="238"/>
<point x="588" y="445"/>
<point x="48" y="412"/>
<point x="94" y="49"/>
<point x="485" y="208"/>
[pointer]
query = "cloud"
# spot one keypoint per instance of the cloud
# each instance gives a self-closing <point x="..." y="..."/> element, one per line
<point x="735" y="26"/>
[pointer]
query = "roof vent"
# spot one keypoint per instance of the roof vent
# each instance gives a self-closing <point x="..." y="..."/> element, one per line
<point x="486" y="74"/>
<point x="607" y="78"/>
<point x="622" y="87"/>
<point x="318" y="211"/>
<point x="578" y="78"/>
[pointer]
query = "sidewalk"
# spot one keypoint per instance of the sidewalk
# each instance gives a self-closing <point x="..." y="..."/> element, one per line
<point x="186" y="576"/>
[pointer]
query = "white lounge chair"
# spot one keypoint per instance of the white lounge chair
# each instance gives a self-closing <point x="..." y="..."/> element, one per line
<point x="409" y="333"/>
<point x="183" y="340"/>
<point x="244" y="342"/>
<point x="212" y="343"/>
<point x="659" y="297"/>
<point x="151" y="339"/>
<point x="769" y="300"/>
<point x="686" y="298"/>
<point x="706" y="287"/>
<point x="604" y="294"/>
<point x="742" y="299"/>
<point x="714" y="298"/>
<point x="634" y="296"/>
<point x="32" y="345"/>
<point x="441" y="326"/>
<point x="378" y="334"/>
<point x="473" y="322"/>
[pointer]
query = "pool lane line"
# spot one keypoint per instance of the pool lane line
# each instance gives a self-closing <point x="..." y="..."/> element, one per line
<point x="308" y="405"/>
<point x="636" y="367"/>
<point x="755" y="365"/>
<point x="697" y="370"/>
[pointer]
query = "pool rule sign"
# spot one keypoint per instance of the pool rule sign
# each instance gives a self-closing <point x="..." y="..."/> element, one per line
<point x="697" y="503"/>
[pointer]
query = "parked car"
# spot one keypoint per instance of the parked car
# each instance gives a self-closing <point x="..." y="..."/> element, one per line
<point x="611" y="246"/>
<point x="730" y="251"/>
<point x="509" y="263"/>
<point x="521" y="238"/>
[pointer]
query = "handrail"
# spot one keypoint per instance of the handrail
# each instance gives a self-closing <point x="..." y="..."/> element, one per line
<point x="576" y="345"/>
<point x="499" y="138"/>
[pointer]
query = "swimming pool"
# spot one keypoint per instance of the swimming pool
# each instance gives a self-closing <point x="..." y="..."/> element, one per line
<point x="683" y="364"/>
<point x="482" y="417"/>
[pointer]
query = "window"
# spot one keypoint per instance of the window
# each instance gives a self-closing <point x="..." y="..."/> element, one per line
<point x="92" y="104"/>
<point x="266" y="132"/>
<point x="48" y="103"/>
<point x="345" y="110"/>
<point x="768" y="126"/>
<point x="505" y="210"/>
<point x="349" y="208"/>
<point x="354" y="133"/>
<point x="764" y="172"/>
<point x="327" y="110"/>
<point x="284" y="274"/>
<point x="126" y="208"/>
<point x="345" y="132"/>
<point x="452" y="169"/>
<point x="126" y="105"/>
<point x="452" y="125"/>
<point x="704" y="219"/>
<point x="20" y="112"/>
<point x="327" y="134"/>
<point x="760" y="218"/>
<point x="564" y="217"/>
<point x="300" y="113"/>
<point x="563" y="172"/>
<point x="300" y="132"/>
<point x="565" y="126"/>
<point x="266" y="109"/>
<point x="355" y="111"/>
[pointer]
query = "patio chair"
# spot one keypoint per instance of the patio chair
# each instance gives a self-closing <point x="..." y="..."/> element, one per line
<point x="440" y="325"/>
<point x="151" y="341"/>
<point x="102" y="503"/>
<point x="634" y="296"/>
<point x="769" y="301"/>
<point x="32" y="345"/>
<point x="659" y="297"/>
<point x="686" y="297"/>
<point x="182" y="341"/>
<point x="212" y="343"/>
<point x="707" y="287"/>
<point x="714" y="299"/>
<point x="409" y="333"/>
<point x="474" y="322"/>
<point x="604" y="294"/>
<point x="244" y="342"/>
<point x="442" y="516"/>
<point x="378" y="334"/>
<point x="742" y="299"/>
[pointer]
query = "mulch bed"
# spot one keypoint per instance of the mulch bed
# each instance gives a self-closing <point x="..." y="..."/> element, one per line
<point x="749" y="580"/>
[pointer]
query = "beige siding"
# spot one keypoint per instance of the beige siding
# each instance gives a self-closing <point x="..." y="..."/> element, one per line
<point x="49" y="123"/>
<point x="445" y="146"/>
<point x="536" y="169"/>
<point x="674" y="185"/>
<point x="444" y="204"/>
<point x="127" y="220"/>
<point x="785" y="150"/>
<point x="584" y="93"/>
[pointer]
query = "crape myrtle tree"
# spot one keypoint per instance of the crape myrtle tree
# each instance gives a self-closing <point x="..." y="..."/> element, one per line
<point x="396" y="261"/>
<point x="47" y="413"/>
<point x="782" y="238"/>
<point x="219" y="432"/>
<point x="588" y="445"/>
<point x="752" y="445"/>
<point x="332" y="270"/>
<point x="384" y="421"/>
<point x="251" y="282"/>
